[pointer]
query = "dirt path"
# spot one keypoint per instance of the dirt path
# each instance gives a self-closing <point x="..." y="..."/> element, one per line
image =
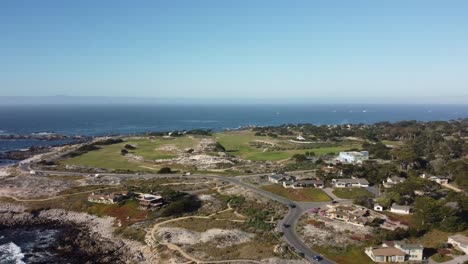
<point x="55" y="197"/>
<point x="153" y="241"/>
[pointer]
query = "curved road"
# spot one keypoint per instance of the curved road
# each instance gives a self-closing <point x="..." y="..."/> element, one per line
<point x="296" y="209"/>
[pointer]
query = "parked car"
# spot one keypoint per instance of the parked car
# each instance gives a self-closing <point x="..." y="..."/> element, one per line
<point x="317" y="258"/>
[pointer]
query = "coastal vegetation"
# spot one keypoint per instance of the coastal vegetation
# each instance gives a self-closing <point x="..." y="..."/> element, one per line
<point x="300" y="195"/>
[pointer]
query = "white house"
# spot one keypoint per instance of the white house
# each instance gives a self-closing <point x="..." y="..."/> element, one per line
<point x="391" y="181"/>
<point x="300" y="138"/>
<point x="343" y="183"/>
<point x="400" y="209"/>
<point x="353" y="156"/>
<point x="279" y="178"/>
<point x="459" y="241"/>
<point x="438" y="179"/>
<point x="308" y="183"/>
<point x="395" y="251"/>
<point x="275" y="178"/>
<point x="378" y="207"/>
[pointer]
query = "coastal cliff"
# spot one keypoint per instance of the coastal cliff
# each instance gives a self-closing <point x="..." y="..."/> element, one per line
<point x="83" y="237"/>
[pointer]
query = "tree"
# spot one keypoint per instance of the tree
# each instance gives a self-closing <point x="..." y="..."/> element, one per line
<point x="165" y="170"/>
<point x="299" y="157"/>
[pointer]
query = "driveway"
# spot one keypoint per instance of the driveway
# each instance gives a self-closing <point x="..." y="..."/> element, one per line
<point x="457" y="260"/>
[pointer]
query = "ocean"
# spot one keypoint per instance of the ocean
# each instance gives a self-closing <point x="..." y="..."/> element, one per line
<point x="98" y="120"/>
<point x="29" y="245"/>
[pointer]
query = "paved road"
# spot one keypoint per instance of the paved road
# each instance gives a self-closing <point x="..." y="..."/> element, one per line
<point x="296" y="209"/>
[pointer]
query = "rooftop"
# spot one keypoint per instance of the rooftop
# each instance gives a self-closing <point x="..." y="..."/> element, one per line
<point x="387" y="251"/>
<point x="400" y="207"/>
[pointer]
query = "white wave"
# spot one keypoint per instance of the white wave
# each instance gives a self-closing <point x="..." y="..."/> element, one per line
<point x="11" y="253"/>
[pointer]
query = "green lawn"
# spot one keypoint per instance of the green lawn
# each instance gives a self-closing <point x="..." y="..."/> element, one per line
<point x="351" y="193"/>
<point x="238" y="144"/>
<point x="352" y="255"/>
<point x="300" y="195"/>
<point x="109" y="156"/>
<point x="440" y="258"/>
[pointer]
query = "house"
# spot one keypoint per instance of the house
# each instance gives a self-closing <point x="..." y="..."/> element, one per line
<point x="391" y="181"/>
<point x="288" y="183"/>
<point x="350" y="214"/>
<point x="378" y="207"/>
<point x="385" y="254"/>
<point x="150" y="201"/>
<point x="353" y="156"/>
<point x="400" y="209"/>
<point x="438" y="179"/>
<point x="414" y="252"/>
<point x="395" y="251"/>
<point x="343" y="183"/>
<point x="300" y="138"/>
<point x="279" y="178"/>
<point x="275" y="178"/>
<point x="111" y="198"/>
<point x="459" y="241"/>
<point x="308" y="183"/>
<point x="332" y="170"/>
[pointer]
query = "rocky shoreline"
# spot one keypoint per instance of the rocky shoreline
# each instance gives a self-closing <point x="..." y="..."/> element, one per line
<point x="86" y="238"/>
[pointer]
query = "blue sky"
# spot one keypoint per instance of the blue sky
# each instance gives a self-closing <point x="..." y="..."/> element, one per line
<point x="243" y="49"/>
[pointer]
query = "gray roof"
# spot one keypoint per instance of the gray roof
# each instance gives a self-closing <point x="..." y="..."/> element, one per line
<point x="310" y="182"/>
<point x="400" y="207"/>
<point x="276" y="177"/>
<point x="351" y="181"/>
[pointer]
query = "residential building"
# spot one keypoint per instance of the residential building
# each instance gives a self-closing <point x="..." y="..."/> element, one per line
<point x="150" y="201"/>
<point x="395" y="251"/>
<point x="400" y="209"/>
<point x="378" y="207"/>
<point x="438" y="179"/>
<point x="288" y="183"/>
<point x="300" y="138"/>
<point x="350" y="214"/>
<point x="353" y="156"/>
<point x="308" y="183"/>
<point x="332" y="170"/>
<point x="414" y="252"/>
<point x="279" y="178"/>
<point x="343" y="183"/>
<point x="275" y="178"/>
<point x="392" y="181"/>
<point x="459" y="241"/>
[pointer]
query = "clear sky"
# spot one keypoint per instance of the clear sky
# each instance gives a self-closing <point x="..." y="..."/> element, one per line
<point x="243" y="49"/>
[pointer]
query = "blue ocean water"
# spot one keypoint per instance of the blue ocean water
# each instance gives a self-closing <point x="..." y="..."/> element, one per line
<point x="131" y="119"/>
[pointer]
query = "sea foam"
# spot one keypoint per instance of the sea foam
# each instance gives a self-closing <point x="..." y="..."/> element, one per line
<point x="10" y="253"/>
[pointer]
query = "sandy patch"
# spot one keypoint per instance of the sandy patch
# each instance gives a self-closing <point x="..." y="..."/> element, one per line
<point x="222" y="237"/>
<point x="205" y="197"/>
<point x="169" y="148"/>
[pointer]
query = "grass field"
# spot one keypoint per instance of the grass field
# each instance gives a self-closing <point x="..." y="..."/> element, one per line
<point x="109" y="157"/>
<point x="300" y="195"/>
<point x="352" y="255"/>
<point x="351" y="193"/>
<point x="434" y="238"/>
<point x="238" y="143"/>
